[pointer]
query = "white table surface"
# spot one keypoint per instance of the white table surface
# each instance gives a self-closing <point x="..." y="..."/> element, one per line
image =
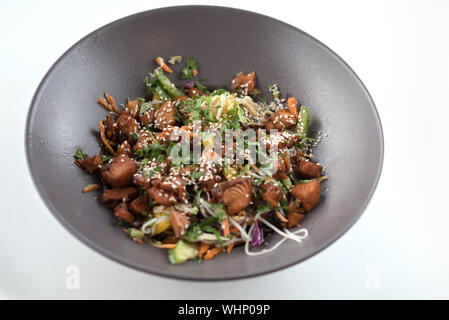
<point x="398" y="249"/>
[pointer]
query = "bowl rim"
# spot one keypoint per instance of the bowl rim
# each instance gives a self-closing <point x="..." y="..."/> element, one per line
<point x="160" y="272"/>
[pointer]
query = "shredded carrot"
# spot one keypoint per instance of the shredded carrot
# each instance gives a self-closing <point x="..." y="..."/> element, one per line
<point x="212" y="253"/>
<point x="287" y="163"/>
<point x="164" y="66"/>
<point x="111" y="103"/>
<point x="138" y="241"/>
<point x="229" y="247"/>
<point x="233" y="230"/>
<point x="164" y="245"/>
<point x="167" y="246"/>
<point x="293" y="106"/>
<point x="203" y="249"/>
<point x="195" y="72"/>
<point x="225" y="224"/>
<point x="105" y="104"/>
<point x="91" y="187"/>
<point x="188" y="129"/>
<point x="105" y="141"/>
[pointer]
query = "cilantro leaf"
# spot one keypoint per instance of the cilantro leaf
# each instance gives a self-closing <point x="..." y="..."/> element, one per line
<point x="263" y="99"/>
<point x="241" y="115"/>
<point x="215" y="232"/>
<point x="235" y="122"/>
<point x="79" y="154"/>
<point x="154" y="87"/>
<point x="196" y="174"/>
<point x="264" y="208"/>
<point x="105" y="158"/>
<point x="201" y="86"/>
<point x="219" y="210"/>
<point x="144" y="107"/>
<point x="154" y="150"/>
<point x="187" y="72"/>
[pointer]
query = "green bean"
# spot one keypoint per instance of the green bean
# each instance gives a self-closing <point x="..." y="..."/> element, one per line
<point x="167" y="85"/>
<point x="320" y="179"/>
<point x="303" y="122"/>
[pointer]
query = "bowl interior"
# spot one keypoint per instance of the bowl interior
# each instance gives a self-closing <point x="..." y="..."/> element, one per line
<point x="64" y="116"/>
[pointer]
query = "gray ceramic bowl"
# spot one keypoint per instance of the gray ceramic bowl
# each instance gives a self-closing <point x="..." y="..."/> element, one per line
<point x="64" y="115"/>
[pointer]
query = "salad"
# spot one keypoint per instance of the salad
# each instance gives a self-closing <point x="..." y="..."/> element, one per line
<point x="197" y="170"/>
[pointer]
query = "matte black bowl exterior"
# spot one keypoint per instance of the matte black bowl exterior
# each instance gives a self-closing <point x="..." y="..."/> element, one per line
<point x="64" y="116"/>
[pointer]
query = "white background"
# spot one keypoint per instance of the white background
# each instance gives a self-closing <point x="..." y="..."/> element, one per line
<point x="398" y="249"/>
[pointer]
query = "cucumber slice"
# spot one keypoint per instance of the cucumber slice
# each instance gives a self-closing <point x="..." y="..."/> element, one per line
<point x="182" y="252"/>
<point x="135" y="233"/>
<point x="287" y="183"/>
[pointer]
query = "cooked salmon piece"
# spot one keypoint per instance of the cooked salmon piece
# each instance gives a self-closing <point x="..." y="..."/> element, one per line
<point x="119" y="172"/>
<point x="165" y="116"/>
<point x="161" y="196"/>
<point x="131" y="109"/>
<point x="272" y="193"/>
<point x="280" y="120"/>
<point x="172" y="133"/>
<point x="245" y="83"/>
<point x="195" y="92"/>
<point x="143" y="138"/>
<point x="295" y="214"/>
<point x="110" y="129"/>
<point x="236" y="194"/>
<point x="281" y="170"/>
<point x="207" y="185"/>
<point x="125" y="148"/>
<point x="142" y="181"/>
<point x="287" y="140"/>
<point x="308" y="193"/>
<point x="121" y="211"/>
<point x="119" y="195"/>
<point x="147" y="117"/>
<point x="127" y="126"/>
<point x="140" y="205"/>
<point x="308" y="169"/>
<point x="174" y="185"/>
<point x="179" y="222"/>
<point x="90" y="164"/>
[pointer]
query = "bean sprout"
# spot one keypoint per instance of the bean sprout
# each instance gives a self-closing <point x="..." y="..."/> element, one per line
<point x="286" y="235"/>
